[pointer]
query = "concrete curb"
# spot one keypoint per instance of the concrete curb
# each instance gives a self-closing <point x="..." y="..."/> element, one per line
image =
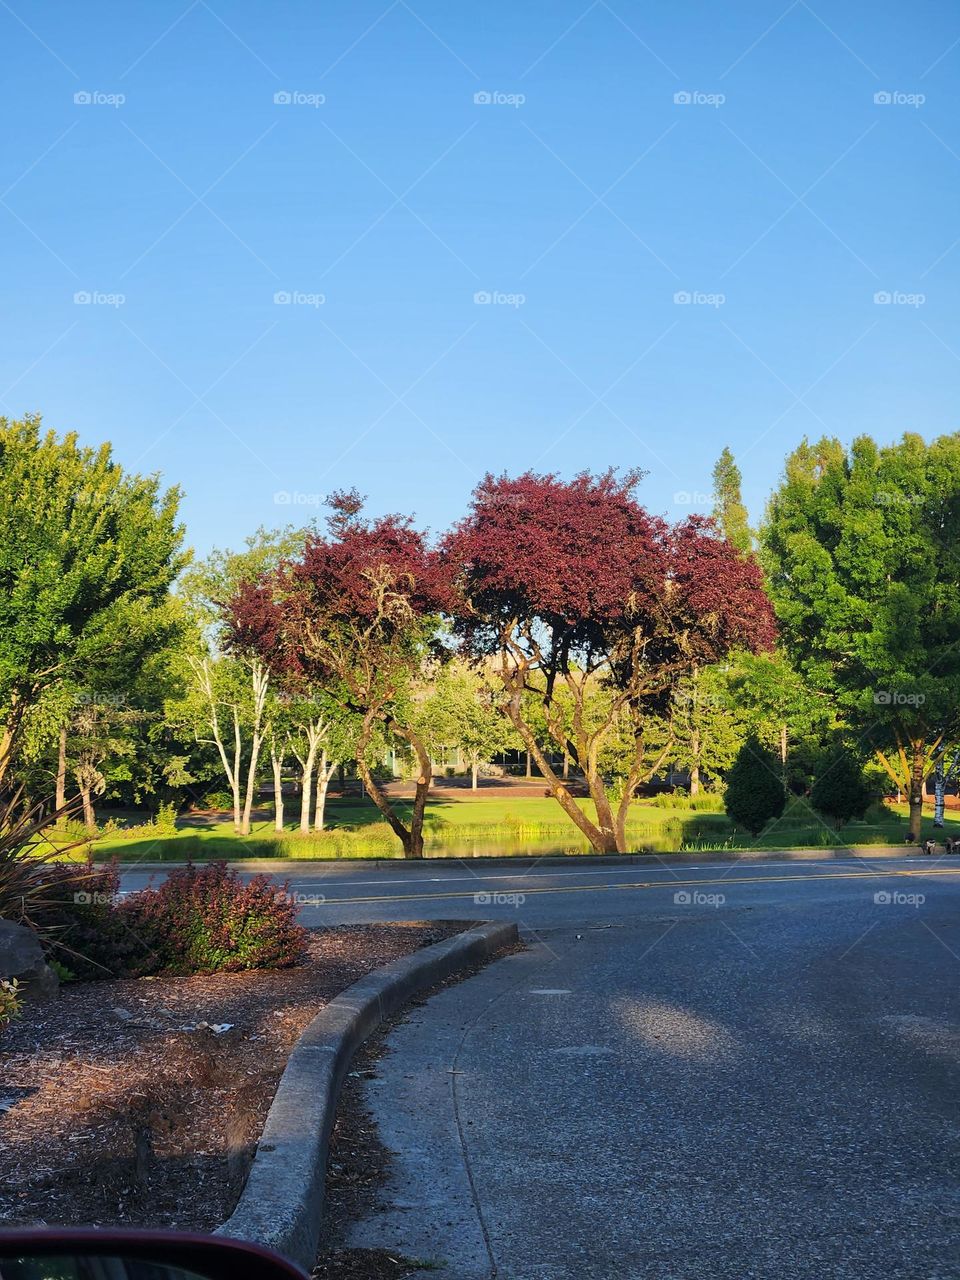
<point x="553" y="860"/>
<point x="281" y="1205"/>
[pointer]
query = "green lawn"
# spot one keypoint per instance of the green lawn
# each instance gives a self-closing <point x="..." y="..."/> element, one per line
<point x="517" y="825"/>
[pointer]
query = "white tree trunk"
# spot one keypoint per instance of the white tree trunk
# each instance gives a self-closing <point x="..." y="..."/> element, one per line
<point x="260" y="680"/>
<point x="324" y="774"/>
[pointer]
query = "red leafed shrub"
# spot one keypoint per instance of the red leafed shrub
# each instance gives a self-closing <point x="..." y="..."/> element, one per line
<point x="208" y="919"/>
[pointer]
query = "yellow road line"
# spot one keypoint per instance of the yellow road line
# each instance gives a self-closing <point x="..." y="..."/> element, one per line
<point x="639" y="884"/>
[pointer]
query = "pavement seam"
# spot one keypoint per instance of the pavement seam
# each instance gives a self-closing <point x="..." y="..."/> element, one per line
<point x="281" y="1205"/>
<point x="461" y="1133"/>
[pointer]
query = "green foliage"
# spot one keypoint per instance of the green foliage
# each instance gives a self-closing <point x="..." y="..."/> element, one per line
<point x="703" y="803"/>
<point x="841" y="792"/>
<point x="862" y="551"/>
<point x="728" y="509"/>
<point x="755" y="792"/>
<point x="87" y="554"/>
<point x="10" y="1002"/>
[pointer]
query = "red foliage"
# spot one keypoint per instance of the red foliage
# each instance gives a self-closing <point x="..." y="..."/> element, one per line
<point x="577" y="551"/>
<point x="335" y="573"/>
<point x="208" y="919"/>
<point x="586" y="561"/>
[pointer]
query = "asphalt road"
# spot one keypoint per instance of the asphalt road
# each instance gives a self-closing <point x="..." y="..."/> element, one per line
<point x="695" y="1070"/>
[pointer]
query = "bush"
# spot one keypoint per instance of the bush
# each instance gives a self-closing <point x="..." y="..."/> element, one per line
<point x="10" y="1006"/>
<point x="81" y="923"/>
<point x="208" y="920"/>
<point x="755" y="792"/>
<point x="840" y="791"/>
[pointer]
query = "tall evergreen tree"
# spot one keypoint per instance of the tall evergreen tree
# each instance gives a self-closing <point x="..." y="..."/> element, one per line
<point x="728" y="509"/>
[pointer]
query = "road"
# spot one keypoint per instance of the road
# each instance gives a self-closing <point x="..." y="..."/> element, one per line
<point x="709" y="1068"/>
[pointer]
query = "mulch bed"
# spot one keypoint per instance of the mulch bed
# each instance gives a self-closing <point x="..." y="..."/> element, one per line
<point x="140" y="1102"/>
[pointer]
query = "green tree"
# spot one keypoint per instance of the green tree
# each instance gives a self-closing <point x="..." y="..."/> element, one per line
<point x="87" y="556"/>
<point x="840" y="790"/>
<point x="464" y="711"/>
<point x="755" y="792"/>
<point x="728" y="509"/>
<point x="861" y="551"/>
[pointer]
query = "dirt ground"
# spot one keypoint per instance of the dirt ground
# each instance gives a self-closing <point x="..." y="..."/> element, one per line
<point x="140" y="1102"/>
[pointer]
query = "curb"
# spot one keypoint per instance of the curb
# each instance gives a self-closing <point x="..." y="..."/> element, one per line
<point x="288" y="865"/>
<point x="281" y="1205"/>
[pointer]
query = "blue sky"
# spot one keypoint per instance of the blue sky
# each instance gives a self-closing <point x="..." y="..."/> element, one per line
<point x="382" y="198"/>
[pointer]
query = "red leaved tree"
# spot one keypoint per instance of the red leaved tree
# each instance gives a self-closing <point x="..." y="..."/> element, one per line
<point x="359" y="614"/>
<point x="595" y="609"/>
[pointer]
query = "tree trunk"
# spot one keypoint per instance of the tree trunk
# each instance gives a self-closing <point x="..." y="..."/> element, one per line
<point x="277" y="762"/>
<point x="529" y="773"/>
<point x="89" y="816"/>
<point x="566" y="765"/>
<point x="916" y="789"/>
<point x="474" y="772"/>
<point x="61" y="789"/>
<point x="306" y="787"/>
<point x="234" y="774"/>
<point x="260" y="679"/>
<point x="324" y="774"/>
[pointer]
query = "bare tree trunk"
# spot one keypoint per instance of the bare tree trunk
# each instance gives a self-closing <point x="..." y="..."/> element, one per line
<point x="695" y="765"/>
<point x="61" y="789"/>
<point x="276" y="759"/>
<point x="306" y="793"/>
<point x="260" y="679"/>
<point x="529" y="773"/>
<point x="411" y="839"/>
<point x="474" y="771"/>
<point x="566" y="764"/>
<point x="324" y="774"/>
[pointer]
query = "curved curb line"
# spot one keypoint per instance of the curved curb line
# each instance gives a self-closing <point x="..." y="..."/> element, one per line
<point x="281" y="1205"/>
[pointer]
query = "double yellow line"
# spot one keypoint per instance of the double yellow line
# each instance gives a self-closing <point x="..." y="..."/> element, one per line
<point x="637" y="884"/>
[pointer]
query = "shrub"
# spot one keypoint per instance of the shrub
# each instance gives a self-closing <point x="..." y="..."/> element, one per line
<point x="207" y="920"/>
<point x="10" y="1006"/>
<point x="78" y="917"/>
<point x="840" y="791"/>
<point x="755" y="792"/>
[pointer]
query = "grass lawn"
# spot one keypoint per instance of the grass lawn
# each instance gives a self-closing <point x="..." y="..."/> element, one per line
<point x="506" y="825"/>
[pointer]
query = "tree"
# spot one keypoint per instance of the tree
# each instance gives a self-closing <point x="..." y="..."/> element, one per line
<point x="840" y="790"/>
<point x="87" y="557"/>
<point x="706" y="727"/>
<point x="230" y="660"/>
<point x="728" y="509"/>
<point x="755" y="792"/>
<point x="861" y="550"/>
<point x="464" y="711"/>
<point x="573" y="585"/>
<point x="358" y="613"/>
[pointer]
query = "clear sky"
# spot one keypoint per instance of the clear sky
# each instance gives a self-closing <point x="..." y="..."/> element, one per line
<point x="382" y="198"/>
